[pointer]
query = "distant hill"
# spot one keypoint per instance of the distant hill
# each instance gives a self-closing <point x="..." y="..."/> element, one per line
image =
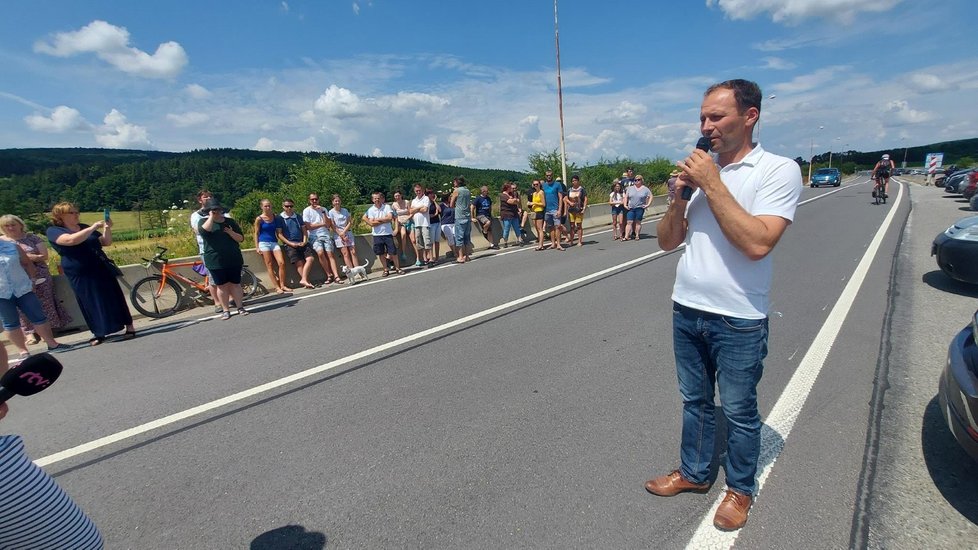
<point x="31" y="180"/>
<point x="953" y="150"/>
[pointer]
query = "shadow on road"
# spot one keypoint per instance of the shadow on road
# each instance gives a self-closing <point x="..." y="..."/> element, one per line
<point x="955" y="474"/>
<point x="294" y="537"/>
<point x="937" y="279"/>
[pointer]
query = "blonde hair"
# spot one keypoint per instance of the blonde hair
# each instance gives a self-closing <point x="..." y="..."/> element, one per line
<point x="59" y="210"/>
<point x="10" y="218"/>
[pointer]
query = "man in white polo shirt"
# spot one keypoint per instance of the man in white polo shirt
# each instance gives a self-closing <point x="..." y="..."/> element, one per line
<point x="742" y="203"/>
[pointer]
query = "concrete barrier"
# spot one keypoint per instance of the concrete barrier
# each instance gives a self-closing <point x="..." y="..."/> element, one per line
<point x="596" y="215"/>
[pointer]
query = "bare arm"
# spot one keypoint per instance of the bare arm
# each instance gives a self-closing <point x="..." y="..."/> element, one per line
<point x="42" y="253"/>
<point x="78" y="237"/>
<point x="27" y="264"/>
<point x="671" y="230"/>
<point x="754" y="236"/>
<point x="238" y="237"/>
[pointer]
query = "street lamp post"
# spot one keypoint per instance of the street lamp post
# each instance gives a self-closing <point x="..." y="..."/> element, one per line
<point x="904" y="152"/>
<point x="830" y="154"/>
<point x="772" y="96"/>
<point x="811" y="156"/>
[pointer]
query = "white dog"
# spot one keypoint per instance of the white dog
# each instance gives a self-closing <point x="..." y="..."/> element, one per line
<point x="356" y="274"/>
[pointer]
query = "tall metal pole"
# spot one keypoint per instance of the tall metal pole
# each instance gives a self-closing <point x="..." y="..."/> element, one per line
<point x="560" y="102"/>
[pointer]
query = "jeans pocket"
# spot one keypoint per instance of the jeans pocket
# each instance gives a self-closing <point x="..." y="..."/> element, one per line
<point x="743" y="325"/>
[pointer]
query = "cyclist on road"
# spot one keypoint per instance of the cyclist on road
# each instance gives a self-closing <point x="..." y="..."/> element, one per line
<point x="882" y="171"/>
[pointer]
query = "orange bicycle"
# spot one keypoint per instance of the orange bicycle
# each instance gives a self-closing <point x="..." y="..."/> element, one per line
<point x="160" y="295"/>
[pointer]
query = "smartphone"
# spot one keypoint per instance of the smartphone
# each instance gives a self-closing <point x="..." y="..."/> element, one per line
<point x="106" y="214"/>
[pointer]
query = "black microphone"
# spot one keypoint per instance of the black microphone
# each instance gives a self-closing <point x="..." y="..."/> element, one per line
<point x="702" y="144"/>
<point x="34" y="374"/>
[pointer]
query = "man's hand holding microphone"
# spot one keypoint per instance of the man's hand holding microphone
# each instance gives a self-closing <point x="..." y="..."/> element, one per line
<point x="698" y="168"/>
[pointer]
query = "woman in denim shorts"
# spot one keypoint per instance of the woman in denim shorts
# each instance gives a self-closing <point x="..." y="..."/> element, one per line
<point x="266" y="241"/>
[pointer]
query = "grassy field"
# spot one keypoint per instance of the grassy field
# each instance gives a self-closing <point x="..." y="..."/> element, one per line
<point x="133" y="239"/>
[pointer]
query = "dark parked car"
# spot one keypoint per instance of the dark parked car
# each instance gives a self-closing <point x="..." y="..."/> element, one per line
<point x="826" y="176"/>
<point x="957" y="250"/>
<point x="968" y="189"/>
<point x="958" y="388"/>
<point x="954" y="182"/>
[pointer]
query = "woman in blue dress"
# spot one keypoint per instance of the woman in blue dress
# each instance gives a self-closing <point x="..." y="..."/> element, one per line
<point x="91" y="277"/>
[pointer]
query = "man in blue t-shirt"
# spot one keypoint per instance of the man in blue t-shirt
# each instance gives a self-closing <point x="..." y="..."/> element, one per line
<point x="553" y="196"/>
<point x="482" y="212"/>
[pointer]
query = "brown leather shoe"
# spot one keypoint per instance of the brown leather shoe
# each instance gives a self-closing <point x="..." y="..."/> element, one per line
<point x="732" y="513"/>
<point x="673" y="484"/>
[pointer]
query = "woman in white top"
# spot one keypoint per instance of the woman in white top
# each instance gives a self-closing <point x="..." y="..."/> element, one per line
<point x="404" y="228"/>
<point x="343" y="226"/>
<point x="617" y="201"/>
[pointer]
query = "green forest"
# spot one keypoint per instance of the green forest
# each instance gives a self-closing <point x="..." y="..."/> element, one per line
<point x="32" y="180"/>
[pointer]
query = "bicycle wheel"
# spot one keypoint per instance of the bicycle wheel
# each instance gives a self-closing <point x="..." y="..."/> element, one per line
<point x="249" y="283"/>
<point x="154" y="299"/>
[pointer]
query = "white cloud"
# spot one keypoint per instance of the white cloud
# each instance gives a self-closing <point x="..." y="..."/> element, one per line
<point x="185" y="120"/>
<point x="798" y="11"/>
<point x="265" y="144"/>
<point x="111" y="44"/>
<point x="926" y="83"/>
<point x="624" y="112"/>
<point x="118" y="133"/>
<point x="62" y="119"/>
<point x="356" y="8"/>
<point x="418" y="103"/>
<point x="285" y="7"/>
<point x="339" y="102"/>
<point x="900" y="111"/>
<point x="197" y="91"/>
<point x="530" y="128"/>
<point x="376" y="152"/>
<point x="777" y="64"/>
<point x="441" y="149"/>
<point x="821" y="78"/>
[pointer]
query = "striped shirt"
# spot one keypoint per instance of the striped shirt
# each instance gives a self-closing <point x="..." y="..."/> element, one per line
<point x="35" y="513"/>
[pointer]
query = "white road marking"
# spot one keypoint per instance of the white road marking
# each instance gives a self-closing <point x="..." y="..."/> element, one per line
<point x="789" y="405"/>
<point x="275" y="384"/>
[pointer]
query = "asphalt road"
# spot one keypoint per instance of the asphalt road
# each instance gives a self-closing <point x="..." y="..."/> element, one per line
<point x="522" y="400"/>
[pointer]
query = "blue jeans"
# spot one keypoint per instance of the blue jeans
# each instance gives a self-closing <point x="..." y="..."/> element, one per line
<point x="463" y="232"/>
<point x="511" y="223"/>
<point x="716" y="350"/>
<point x="28" y="303"/>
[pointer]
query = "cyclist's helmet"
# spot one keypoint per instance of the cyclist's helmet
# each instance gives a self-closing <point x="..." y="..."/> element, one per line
<point x="886" y="157"/>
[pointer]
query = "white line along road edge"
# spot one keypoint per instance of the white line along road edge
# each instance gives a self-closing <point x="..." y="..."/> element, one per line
<point x="257" y="390"/>
<point x="786" y="410"/>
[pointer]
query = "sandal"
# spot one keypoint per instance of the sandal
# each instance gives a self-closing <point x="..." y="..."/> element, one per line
<point x="399" y="272"/>
<point x="96" y="341"/>
<point x="225" y="315"/>
<point x="58" y="348"/>
<point x="306" y="285"/>
<point x="243" y="311"/>
<point x="129" y="335"/>
<point x="385" y="273"/>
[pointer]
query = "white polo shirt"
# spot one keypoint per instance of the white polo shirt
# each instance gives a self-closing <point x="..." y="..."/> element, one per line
<point x="421" y="219"/>
<point x="712" y="274"/>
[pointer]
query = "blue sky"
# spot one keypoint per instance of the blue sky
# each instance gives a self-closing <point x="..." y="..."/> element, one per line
<point x="473" y="83"/>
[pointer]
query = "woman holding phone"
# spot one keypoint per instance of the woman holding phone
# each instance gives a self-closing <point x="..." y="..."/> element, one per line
<point x="91" y="275"/>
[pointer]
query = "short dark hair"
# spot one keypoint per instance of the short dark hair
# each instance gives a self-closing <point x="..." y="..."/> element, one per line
<point x="747" y="94"/>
